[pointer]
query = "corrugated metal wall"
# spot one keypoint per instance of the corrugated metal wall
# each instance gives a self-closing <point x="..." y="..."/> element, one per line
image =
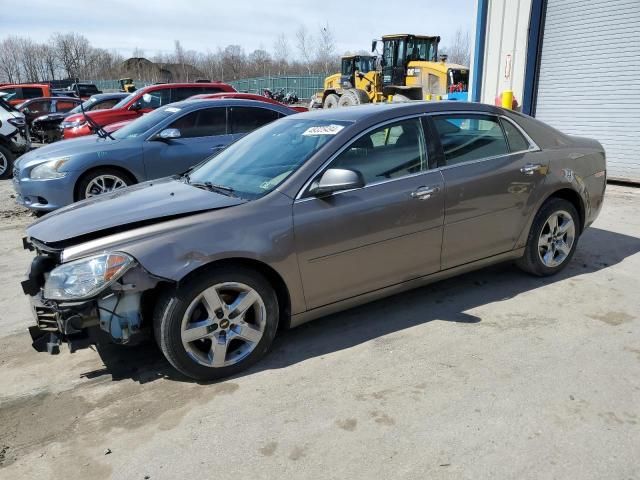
<point x="589" y="83"/>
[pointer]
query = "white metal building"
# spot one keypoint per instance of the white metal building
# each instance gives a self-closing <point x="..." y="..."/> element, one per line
<point x="574" y="64"/>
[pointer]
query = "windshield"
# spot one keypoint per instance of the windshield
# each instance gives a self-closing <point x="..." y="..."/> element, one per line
<point x="425" y="49"/>
<point x="125" y="100"/>
<point x="259" y="162"/>
<point x="6" y="105"/>
<point x="143" y="124"/>
<point x="87" y="104"/>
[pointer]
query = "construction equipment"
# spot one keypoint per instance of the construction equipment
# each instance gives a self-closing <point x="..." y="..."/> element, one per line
<point x="127" y="85"/>
<point x="357" y="82"/>
<point x="411" y="70"/>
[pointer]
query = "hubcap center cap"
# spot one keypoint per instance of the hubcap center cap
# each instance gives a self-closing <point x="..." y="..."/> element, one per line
<point x="224" y="323"/>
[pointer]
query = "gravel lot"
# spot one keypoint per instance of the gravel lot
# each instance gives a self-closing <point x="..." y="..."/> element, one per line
<point x="494" y="374"/>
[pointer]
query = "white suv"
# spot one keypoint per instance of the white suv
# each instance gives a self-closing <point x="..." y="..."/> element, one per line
<point x="14" y="137"/>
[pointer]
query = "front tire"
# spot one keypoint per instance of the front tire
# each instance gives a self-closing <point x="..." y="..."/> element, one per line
<point x="101" y="181"/>
<point x="331" y="101"/>
<point x="6" y="162"/>
<point x="218" y="323"/>
<point x="553" y="238"/>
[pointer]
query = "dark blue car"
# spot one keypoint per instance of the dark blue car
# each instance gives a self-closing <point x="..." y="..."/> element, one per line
<point x="167" y="141"/>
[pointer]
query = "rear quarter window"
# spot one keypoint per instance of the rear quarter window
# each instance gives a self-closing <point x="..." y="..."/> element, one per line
<point x="517" y="141"/>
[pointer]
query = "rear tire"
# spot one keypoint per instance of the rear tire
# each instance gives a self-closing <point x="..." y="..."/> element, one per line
<point x="331" y="101"/>
<point x="101" y="181"/>
<point x="6" y="162"/>
<point x="552" y="240"/>
<point x="348" y="99"/>
<point x="360" y="96"/>
<point x="399" y="98"/>
<point x="200" y="335"/>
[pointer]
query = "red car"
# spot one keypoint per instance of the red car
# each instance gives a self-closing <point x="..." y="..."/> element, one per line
<point x="140" y="102"/>
<point x="248" y="96"/>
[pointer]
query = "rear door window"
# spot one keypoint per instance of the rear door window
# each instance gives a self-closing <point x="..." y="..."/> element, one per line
<point x="179" y="94"/>
<point x="202" y="123"/>
<point x="247" y="119"/>
<point x="63" y="106"/>
<point x="468" y="137"/>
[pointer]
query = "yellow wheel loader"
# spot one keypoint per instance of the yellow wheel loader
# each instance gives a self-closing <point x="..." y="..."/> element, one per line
<point x="127" y="85"/>
<point x="411" y="70"/>
<point x="358" y="82"/>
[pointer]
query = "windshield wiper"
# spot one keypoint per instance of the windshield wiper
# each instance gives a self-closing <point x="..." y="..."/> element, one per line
<point x="212" y="187"/>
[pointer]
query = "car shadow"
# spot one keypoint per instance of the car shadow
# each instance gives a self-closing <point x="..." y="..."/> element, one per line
<point x="447" y="300"/>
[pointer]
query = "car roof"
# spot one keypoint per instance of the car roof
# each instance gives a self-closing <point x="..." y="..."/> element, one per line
<point x="393" y="110"/>
<point x="101" y="96"/>
<point x="63" y="99"/>
<point x="157" y="86"/>
<point x="197" y="103"/>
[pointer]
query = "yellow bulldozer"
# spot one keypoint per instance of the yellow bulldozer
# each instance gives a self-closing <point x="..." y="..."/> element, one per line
<point x="409" y="69"/>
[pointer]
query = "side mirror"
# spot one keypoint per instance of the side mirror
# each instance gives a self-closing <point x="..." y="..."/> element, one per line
<point x="136" y="106"/>
<point x="169" y="134"/>
<point x="335" y="180"/>
<point x="374" y="44"/>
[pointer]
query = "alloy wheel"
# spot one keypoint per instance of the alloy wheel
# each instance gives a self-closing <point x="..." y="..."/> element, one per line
<point x="103" y="184"/>
<point x="223" y="324"/>
<point x="4" y="164"/>
<point x="556" y="239"/>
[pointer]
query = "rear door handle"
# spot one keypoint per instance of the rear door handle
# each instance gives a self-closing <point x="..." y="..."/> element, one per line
<point x="531" y="168"/>
<point x="424" y="193"/>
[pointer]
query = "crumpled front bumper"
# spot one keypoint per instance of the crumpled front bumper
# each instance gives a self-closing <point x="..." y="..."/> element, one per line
<point x="76" y="324"/>
<point x="114" y="315"/>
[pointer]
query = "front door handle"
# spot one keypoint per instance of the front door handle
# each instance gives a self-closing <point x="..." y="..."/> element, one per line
<point x="217" y="147"/>
<point x="424" y="193"/>
<point x="531" y="168"/>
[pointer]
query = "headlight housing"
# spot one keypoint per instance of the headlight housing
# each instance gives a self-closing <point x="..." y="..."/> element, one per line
<point x="49" y="170"/>
<point x="84" y="278"/>
<point x="74" y="124"/>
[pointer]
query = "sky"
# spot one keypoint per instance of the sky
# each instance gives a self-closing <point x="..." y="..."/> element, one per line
<point x="153" y="25"/>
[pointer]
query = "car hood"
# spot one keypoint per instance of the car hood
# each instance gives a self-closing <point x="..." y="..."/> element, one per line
<point x="143" y="204"/>
<point x="68" y="148"/>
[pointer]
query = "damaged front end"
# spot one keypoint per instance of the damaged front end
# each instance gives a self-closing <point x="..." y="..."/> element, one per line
<point x="89" y="301"/>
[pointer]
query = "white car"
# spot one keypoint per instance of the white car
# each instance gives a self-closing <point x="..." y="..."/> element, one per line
<point x="14" y="137"/>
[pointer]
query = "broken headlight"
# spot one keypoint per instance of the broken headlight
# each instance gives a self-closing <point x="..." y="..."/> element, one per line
<point x="86" y="277"/>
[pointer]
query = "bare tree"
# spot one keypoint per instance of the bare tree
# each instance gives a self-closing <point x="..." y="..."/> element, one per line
<point x="10" y="60"/>
<point x="281" y="54"/>
<point x="304" y="42"/>
<point x="459" y="50"/>
<point x="259" y="62"/>
<point x="326" y="49"/>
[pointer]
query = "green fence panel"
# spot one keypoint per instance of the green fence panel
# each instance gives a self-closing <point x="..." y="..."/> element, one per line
<point x="305" y="86"/>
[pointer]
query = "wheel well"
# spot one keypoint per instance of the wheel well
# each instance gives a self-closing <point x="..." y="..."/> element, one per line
<point x="274" y="278"/>
<point x="572" y="197"/>
<point x="122" y="170"/>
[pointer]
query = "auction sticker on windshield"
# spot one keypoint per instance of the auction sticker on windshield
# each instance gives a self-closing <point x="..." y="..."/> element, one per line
<point x="323" y="130"/>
